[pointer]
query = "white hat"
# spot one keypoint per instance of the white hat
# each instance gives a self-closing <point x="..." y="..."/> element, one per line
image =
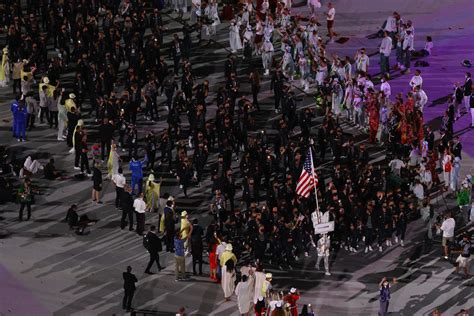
<point x="260" y="298"/>
<point x="151" y="177"/>
<point x="72" y="96"/>
<point x="228" y="247"/>
<point x="278" y="304"/>
<point x="184" y="213"/>
<point x="292" y="290"/>
<point x="170" y="198"/>
<point x="46" y="80"/>
<point x="268" y="276"/>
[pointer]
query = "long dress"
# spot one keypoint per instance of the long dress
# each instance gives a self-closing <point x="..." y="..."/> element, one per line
<point x="113" y="163"/>
<point x="228" y="282"/>
<point x="213" y="260"/>
<point x="259" y="280"/>
<point x="152" y="194"/>
<point x="234" y="37"/>
<point x="4" y="69"/>
<point x="244" y="292"/>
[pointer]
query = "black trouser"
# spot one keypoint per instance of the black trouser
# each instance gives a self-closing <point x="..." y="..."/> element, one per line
<point x="28" y="208"/>
<point x="125" y="213"/>
<point x="44" y="112"/>
<point x="154" y="257"/>
<point x="53" y="119"/>
<point x="151" y="159"/>
<point x="70" y="132"/>
<point x="140" y="223"/>
<point x="176" y="61"/>
<point x="118" y="193"/>
<point x="77" y="157"/>
<point x="103" y="146"/>
<point x="16" y="84"/>
<point x="368" y="237"/>
<point x="85" y="162"/>
<point x="31" y="121"/>
<point x="127" y="299"/>
<point x="255" y="90"/>
<point x="277" y="99"/>
<point x="197" y="258"/>
<point x="169" y="240"/>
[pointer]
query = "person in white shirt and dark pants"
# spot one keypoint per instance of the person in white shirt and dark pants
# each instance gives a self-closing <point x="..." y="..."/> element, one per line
<point x="407" y="48"/>
<point x="385" y="50"/>
<point x="140" y="206"/>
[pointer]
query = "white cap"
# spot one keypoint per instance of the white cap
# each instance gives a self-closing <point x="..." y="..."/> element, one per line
<point x="292" y="290"/>
<point x="228" y="247"/>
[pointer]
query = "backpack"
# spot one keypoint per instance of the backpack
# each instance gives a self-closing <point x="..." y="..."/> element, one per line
<point x="146" y="242"/>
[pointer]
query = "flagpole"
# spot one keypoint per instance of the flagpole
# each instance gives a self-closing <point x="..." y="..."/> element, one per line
<point x="318" y="214"/>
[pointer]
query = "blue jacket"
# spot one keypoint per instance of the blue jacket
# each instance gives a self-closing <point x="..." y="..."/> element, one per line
<point x="13" y="108"/>
<point x="178" y="247"/>
<point x="20" y="114"/>
<point x="136" y="167"/>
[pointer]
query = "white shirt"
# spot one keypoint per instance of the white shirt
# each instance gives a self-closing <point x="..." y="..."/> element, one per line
<point x="119" y="180"/>
<point x="139" y="205"/>
<point x="386" y="46"/>
<point x="448" y="227"/>
<point x="391" y="25"/>
<point x="396" y="165"/>
<point x="331" y="14"/>
<point x="422" y="98"/>
<point x="416" y="81"/>
<point x="419" y="191"/>
<point x="220" y="250"/>
<point x="386" y="89"/>
<point x="408" y="42"/>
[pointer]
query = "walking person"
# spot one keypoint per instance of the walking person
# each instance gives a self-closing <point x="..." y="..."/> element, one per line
<point x="330" y="15"/>
<point x="136" y="167"/>
<point x="180" y="263"/>
<point x="244" y="292"/>
<point x="25" y="197"/>
<point x="447" y="227"/>
<point x="324" y="244"/>
<point x="467" y="89"/>
<point x="197" y="246"/>
<point x="154" y="248"/>
<point x="465" y="256"/>
<point x="384" y="296"/>
<point x="129" y="280"/>
<point x="119" y="181"/>
<point x="140" y="206"/>
<point x="385" y="50"/>
<point x="97" y="183"/>
<point x="126" y="203"/>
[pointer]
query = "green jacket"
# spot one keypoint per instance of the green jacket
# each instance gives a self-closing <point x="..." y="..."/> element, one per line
<point x="463" y="197"/>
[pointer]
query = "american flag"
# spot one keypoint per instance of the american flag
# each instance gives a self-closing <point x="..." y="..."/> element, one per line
<point x="307" y="181"/>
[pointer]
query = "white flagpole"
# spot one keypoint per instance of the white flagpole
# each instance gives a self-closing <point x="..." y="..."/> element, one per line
<point x="318" y="214"/>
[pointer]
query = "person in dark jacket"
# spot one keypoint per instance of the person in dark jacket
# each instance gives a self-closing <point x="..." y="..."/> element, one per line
<point x="196" y="245"/>
<point x="129" y="280"/>
<point x="169" y="230"/>
<point x="97" y="183"/>
<point x="126" y="203"/>
<point x="154" y="247"/>
<point x="106" y="131"/>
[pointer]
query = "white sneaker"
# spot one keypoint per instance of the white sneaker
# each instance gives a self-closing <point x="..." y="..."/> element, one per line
<point x="402" y="244"/>
<point x="370" y="248"/>
<point x="345" y="247"/>
<point x="77" y="168"/>
<point x="390" y="243"/>
<point x="61" y="139"/>
<point x="396" y="239"/>
<point x="386" y="242"/>
<point x="316" y="266"/>
<point x="366" y="249"/>
<point x="363" y="238"/>
<point x="306" y="254"/>
<point x="327" y="273"/>
<point x="180" y="186"/>
<point x="380" y="248"/>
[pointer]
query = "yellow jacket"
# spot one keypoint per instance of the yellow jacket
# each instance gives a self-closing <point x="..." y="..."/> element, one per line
<point x="226" y="255"/>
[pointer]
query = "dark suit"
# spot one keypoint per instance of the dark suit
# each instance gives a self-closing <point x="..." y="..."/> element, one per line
<point x="129" y="280"/>
<point x="154" y="247"/>
<point x="197" y="247"/>
<point x="126" y="201"/>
